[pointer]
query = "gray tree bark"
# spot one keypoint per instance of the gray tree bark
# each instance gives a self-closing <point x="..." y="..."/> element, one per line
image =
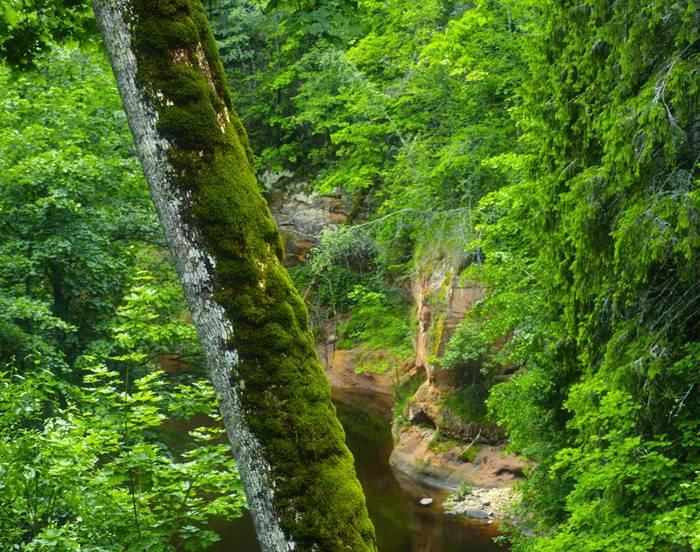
<point x="297" y="472"/>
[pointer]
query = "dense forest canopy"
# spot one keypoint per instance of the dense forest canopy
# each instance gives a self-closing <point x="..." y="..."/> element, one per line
<point x="551" y="148"/>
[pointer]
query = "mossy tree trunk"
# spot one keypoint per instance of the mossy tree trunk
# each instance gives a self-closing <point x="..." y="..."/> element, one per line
<point x="297" y="471"/>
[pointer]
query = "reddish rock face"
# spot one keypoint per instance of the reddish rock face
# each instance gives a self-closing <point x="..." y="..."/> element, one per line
<point x="301" y="219"/>
<point x="441" y="304"/>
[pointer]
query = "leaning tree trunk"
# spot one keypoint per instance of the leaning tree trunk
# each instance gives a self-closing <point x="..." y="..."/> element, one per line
<point x="297" y="471"/>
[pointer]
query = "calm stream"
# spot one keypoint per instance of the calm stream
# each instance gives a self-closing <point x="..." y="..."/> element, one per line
<point x="402" y="524"/>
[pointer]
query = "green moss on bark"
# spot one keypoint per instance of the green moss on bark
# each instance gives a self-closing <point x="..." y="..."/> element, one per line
<point x="286" y="399"/>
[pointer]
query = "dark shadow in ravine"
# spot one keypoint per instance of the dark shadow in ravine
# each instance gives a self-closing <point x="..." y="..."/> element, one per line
<point x="402" y="524"/>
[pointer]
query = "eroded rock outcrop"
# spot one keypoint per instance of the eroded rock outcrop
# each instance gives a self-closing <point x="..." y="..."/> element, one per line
<point x="442" y="303"/>
<point x="301" y="216"/>
<point x="433" y="442"/>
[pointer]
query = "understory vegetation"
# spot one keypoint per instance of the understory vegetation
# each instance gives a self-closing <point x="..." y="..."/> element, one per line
<point x="550" y="147"/>
<point x="100" y="448"/>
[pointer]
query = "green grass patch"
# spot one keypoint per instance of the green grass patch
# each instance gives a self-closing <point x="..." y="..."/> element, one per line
<point x="468" y="403"/>
<point x="464" y="490"/>
<point x="404" y="393"/>
<point x="469" y="454"/>
<point x="440" y="443"/>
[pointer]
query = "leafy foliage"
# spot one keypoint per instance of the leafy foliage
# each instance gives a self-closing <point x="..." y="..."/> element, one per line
<point x="30" y="27"/>
<point x="73" y="205"/>
<point x="383" y="108"/>
<point x="92" y="449"/>
<point x="377" y="323"/>
<point x="471" y="358"/>
<point x="554" y="145"/>
<point x="592" y="264"/>
<point x="94" y="466"/>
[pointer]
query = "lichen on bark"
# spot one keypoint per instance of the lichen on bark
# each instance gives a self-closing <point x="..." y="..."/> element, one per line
<point x="274" y="378"/>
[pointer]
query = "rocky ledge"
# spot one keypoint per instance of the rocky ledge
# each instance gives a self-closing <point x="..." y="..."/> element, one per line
<point x="423" y="454"/>
<point x="488" y="505"/>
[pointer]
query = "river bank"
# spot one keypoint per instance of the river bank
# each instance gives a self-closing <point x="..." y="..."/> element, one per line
<point x="489" y="505"/>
